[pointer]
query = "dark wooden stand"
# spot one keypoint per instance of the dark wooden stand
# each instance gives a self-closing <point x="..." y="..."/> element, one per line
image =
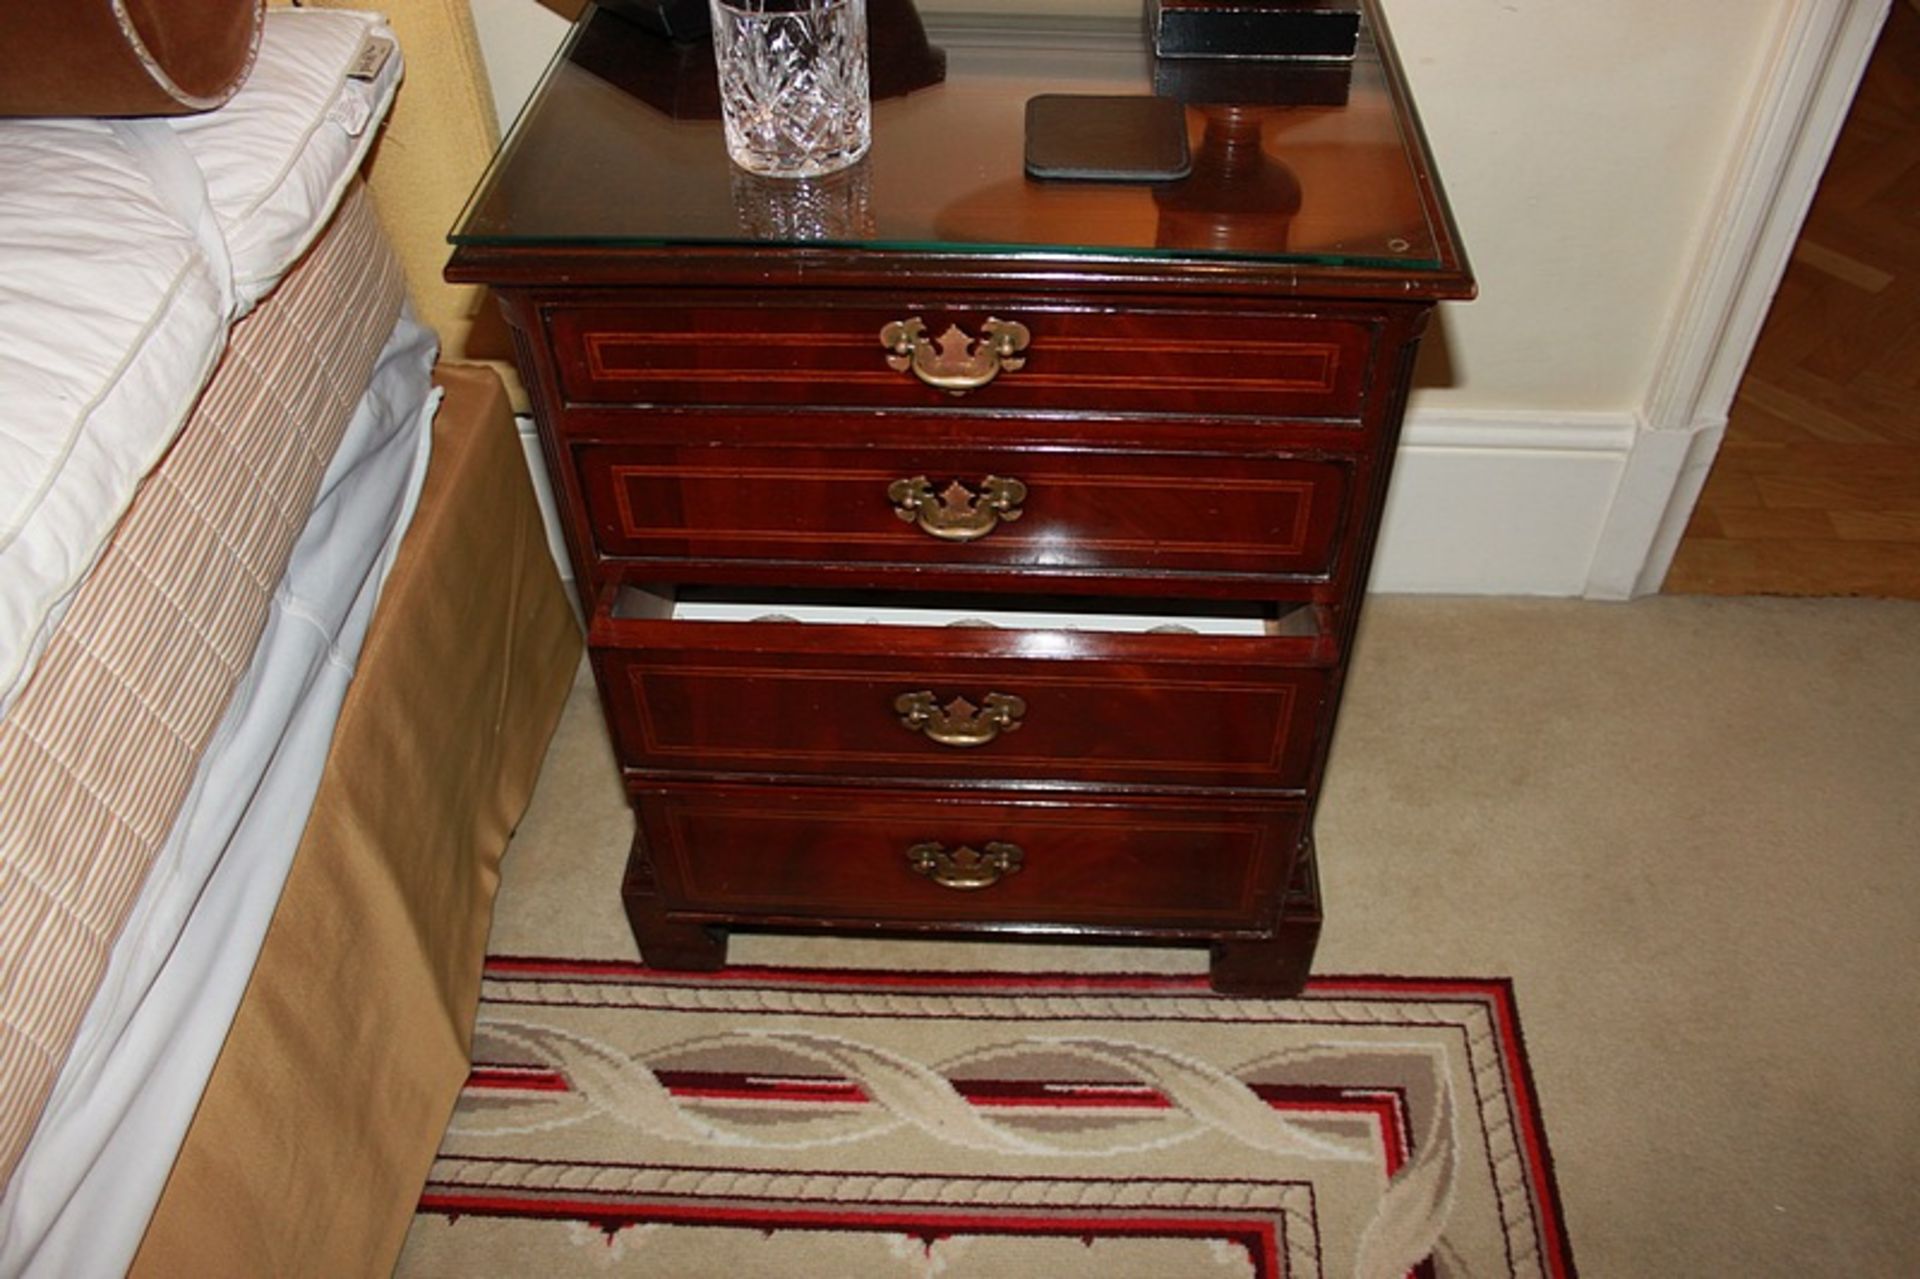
<point x="1190" y="432"/>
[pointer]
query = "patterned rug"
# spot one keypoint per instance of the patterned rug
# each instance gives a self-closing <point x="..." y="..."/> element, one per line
<point x="800" y="1123"/>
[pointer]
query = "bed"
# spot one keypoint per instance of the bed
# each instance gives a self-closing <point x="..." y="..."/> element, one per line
<point x="281" y="647"/>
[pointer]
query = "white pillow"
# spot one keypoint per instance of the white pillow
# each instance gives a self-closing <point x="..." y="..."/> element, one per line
<point x="279" y="154"/>
<point x="129" y="247"/>
<point x="112" y="314"/>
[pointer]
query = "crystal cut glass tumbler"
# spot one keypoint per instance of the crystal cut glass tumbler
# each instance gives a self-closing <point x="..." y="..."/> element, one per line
<point x="793" y="84"/>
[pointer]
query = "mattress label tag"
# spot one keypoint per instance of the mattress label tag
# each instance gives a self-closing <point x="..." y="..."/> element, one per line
<point x="351" y="109"/>
<point x="373" y="55"/>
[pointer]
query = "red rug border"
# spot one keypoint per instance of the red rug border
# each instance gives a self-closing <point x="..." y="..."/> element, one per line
<point x="1498" y="991"/>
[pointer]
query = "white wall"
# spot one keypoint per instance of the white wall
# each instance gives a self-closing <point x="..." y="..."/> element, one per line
<point x="517" y="39"/>
<point x="1588" y="148"/>
<point x="1583" y="146"/>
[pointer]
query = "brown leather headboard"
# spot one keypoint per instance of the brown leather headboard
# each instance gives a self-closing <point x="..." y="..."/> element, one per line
<point x="123" y="57"/>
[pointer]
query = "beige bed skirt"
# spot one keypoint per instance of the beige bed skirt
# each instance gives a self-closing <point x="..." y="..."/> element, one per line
<point x="329" y="1097"/>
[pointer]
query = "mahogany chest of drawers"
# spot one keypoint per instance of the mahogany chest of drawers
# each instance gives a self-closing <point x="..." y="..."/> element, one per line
<point x="968" y="554"/>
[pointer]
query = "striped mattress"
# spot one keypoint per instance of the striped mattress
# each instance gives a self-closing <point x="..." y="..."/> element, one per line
<point x="98" y="748"/>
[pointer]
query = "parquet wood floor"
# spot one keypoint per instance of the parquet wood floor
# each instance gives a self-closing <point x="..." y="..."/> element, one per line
<point x="1816" y="490"/>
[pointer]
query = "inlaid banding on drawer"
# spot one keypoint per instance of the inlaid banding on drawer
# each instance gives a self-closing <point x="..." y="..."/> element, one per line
<point x="1298" y="367"/>
<point x="776" y="852"/>
<point x="1122" y="513"/>
<point x="1201" y="363"/>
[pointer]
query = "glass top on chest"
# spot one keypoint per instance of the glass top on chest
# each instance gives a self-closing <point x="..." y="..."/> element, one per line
<point x="1315" y="163"/>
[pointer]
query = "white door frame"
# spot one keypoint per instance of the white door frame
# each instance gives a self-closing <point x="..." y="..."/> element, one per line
<point x="1818" y="59"/>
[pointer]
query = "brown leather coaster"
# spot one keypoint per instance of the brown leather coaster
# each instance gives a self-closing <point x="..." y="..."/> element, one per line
<point x="1093" y="138"/>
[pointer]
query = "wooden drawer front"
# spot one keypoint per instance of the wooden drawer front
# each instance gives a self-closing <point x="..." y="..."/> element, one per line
<point x="1158" y="513"/>
<point x="960" y="703"/>
<point x="848" y="854"/>
<point x="1197" y="362"/>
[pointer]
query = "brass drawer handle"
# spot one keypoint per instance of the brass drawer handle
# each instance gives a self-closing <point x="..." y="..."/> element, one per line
<point x="960" y="722"/>
<point x="965" y="869"/>
<point x="954" y="362"/>
<point x="957" y="513"/>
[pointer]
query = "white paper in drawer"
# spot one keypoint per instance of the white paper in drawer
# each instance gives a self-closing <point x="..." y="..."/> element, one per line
<point x="1251" y="623"/>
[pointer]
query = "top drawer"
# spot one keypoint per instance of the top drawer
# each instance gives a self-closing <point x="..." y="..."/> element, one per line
<point x="1163" y="361"/>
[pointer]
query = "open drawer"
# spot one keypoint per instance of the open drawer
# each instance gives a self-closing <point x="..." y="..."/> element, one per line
<point x="979" y="688"/>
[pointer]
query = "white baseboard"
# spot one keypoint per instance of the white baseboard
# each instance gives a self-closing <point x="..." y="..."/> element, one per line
<point x="1501" y="503"/>
<point x="543" y="491"/>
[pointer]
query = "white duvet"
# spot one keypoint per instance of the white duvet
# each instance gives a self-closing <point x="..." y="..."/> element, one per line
<point x="127" y="249"/>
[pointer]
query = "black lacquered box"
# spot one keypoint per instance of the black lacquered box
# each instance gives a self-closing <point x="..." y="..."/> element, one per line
<point x="1323" y="29"/>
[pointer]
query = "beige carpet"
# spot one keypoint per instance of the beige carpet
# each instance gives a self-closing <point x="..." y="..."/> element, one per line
<point x="1689" y="831"/>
